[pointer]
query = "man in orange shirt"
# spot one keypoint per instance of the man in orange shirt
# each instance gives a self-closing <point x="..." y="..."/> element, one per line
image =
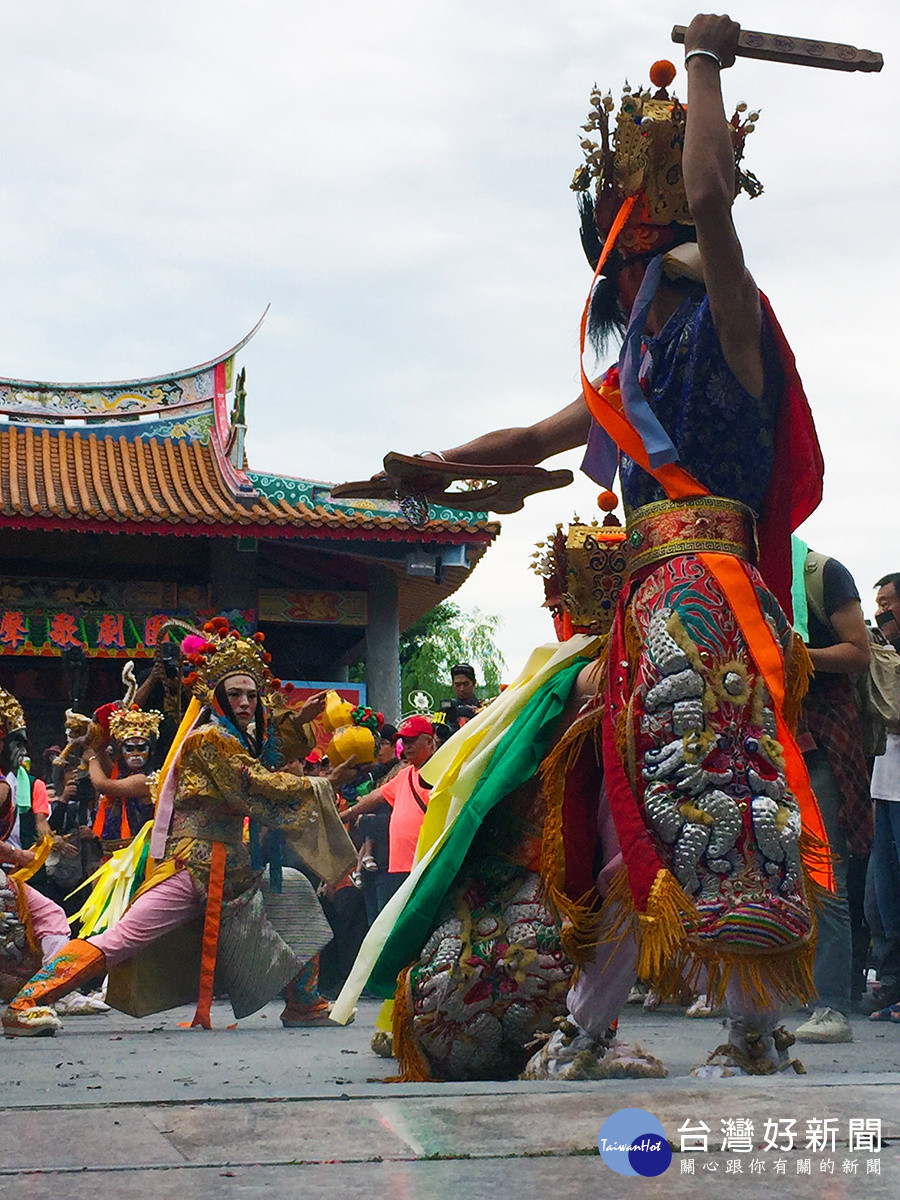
<point x="407" y="794"/>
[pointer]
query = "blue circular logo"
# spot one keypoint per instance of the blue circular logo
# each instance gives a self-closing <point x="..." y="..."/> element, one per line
<point x="633" y="1142"/>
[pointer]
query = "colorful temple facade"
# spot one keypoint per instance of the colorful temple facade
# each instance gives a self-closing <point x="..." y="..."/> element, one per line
<point x="123" y="505"/>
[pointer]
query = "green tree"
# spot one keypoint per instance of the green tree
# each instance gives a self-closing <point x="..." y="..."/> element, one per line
<point x="443" y="637"/>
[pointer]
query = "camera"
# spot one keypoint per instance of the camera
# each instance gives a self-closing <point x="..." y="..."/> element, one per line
<point x="170" y="657"/>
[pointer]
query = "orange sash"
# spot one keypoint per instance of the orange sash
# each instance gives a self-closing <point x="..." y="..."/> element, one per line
<point x="211" y="935"/>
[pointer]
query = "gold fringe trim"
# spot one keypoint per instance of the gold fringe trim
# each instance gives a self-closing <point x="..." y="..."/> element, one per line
<point x="673" y="960"/>
<point x="25" y="914"/>
<point x="413" y="1067"/>
<point x="798" y="672"/>
<point x="580" y="918"/>
<point x="19" y="878"/>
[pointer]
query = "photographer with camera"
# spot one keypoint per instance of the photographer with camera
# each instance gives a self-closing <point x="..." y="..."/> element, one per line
<point x="466" y="703"/>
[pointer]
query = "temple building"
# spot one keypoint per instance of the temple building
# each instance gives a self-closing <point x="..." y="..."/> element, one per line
<point x="123" y="505"/>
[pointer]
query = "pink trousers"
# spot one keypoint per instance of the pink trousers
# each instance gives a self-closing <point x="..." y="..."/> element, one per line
<point x="171" y="903"/>
<point x="49" y="922"/>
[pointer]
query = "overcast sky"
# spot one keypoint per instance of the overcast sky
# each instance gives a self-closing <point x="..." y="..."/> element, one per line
<point x="393" y="178"/>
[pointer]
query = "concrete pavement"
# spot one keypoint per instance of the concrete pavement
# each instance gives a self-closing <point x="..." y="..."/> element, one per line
<point x="128" y="1108"/>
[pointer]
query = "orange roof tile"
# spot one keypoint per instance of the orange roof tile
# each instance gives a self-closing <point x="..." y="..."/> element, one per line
<point x="58" y="477"/>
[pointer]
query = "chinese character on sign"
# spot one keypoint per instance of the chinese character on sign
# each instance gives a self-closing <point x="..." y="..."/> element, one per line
<point x="849" y="1165"/>
<point x="873" y="1166"/>
<point x="110" y="632"/>
<point x="152" y="626"/>
<point x="783" y="1129"/>
<point x="780" y="1166"/>
<point x="13" y="630"/>
<point x="820" y="1134"/>
<point x="694" y="1137"/>
<point x="826" y="1166"/>
<point x="804" y="1166"/>
<point x="711" y="1166"/>
<point x="864" y="1134"/>
<point x="687" y="1166"/>
<point x="64" y="631"/>
<point x="734" y="1166"/>
<point x="737" y="1135"/>
<point x="757" y="1166"/>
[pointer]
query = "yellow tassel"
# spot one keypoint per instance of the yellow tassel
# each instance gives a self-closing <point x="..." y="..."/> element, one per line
<point x="413" y="1067"/>
<point x="663" y="927"/>
<point x="799" y="670"/>
<point x="581" y="917"/>
<point x="19" y="878"/>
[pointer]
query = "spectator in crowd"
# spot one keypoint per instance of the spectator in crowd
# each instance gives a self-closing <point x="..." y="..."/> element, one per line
<point x="77" y="851"/>
<point x="407" y="794"/>
<point x="465" y="703"/>
<point x="884" y="1004"/>
<point x="831" y="739"/>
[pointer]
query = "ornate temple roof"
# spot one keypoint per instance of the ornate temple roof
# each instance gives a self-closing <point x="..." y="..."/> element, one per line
<point x="162" y="455"/>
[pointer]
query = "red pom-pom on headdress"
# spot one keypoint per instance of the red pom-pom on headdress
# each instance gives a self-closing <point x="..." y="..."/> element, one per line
<point x="662" y="73"/>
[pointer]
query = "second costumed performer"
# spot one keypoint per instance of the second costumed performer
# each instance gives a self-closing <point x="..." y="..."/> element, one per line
<point x="200" y="916"/>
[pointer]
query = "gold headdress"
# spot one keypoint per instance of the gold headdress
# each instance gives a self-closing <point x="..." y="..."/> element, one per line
<point x="11" y="715"/>
<point x="584" y="570"/>
<point x="221" y="652"/>
<point x="134" y="723"/>
<point x="641" y="162"/>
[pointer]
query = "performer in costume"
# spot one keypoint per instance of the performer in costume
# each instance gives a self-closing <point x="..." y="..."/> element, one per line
<point x="676" y="771"/>
<point x="126" y="802"/>
<point x="32" y="927"/>
<point x="201" y="913"/>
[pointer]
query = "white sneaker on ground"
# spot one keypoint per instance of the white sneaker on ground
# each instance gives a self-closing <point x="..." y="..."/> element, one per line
<point x="78" y="1005"/>
<point x="702" y="1008"/>
<point x="825" y="1025"/>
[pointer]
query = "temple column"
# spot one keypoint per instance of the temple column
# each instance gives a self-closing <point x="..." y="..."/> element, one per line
<point x="383" y="643"/>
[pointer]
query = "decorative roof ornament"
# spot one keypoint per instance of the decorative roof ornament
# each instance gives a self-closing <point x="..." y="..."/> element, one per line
<point x="222" y="651"/>
<point x="639" y="160"/>
<point x="127" y="724"/>
<point x="12" y="716"/>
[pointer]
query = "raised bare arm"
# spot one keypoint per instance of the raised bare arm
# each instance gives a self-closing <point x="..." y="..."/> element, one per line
<point x="529" y="444"/>
<point x="708" y="166"/>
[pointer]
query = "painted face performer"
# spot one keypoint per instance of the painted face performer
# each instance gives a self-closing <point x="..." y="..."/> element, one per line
<point x="202" y="908"/>
<point x="126" y="803"/>
<point x="671" y="762"/>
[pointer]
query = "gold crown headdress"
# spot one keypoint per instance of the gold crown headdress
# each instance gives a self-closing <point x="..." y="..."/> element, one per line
<point x="221" y="652"/>
<point x="134" y="723"/>
<point x="584" y="570"/>
<point x="11" y="715"/>
<point x="642" y="159"/>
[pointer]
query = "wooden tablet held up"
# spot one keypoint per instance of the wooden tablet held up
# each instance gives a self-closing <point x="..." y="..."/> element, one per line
<point x="492" y="488"/>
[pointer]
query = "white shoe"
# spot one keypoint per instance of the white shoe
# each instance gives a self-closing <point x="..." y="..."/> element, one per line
<point x="702" y="1008"/>
<point x="76" y="1004"/>
<point x="825" y="1025"/>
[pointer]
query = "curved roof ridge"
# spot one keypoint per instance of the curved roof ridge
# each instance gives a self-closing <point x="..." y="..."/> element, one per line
<point x="46" y="385"/>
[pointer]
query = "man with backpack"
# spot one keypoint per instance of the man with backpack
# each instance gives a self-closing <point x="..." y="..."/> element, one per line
<point x="830" y="736"/>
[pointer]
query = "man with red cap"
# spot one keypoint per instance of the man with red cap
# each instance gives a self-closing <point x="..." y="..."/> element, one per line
<point x="407" y="793"/>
